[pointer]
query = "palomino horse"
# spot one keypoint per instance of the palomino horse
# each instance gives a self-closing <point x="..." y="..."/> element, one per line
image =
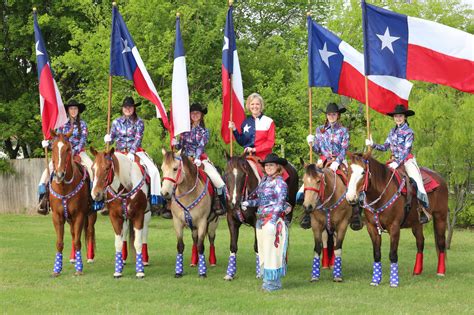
<point x="241" y="181"/>
<point x="387" y="209"/>
<point x="124" y="188"/>
<point x="324" y="198"/>
<point x="69" y="200"/>
<point x="191" y="204"/>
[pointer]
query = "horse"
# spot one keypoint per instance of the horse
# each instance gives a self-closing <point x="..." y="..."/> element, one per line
<point x="386" y="208"/>
<point x="241" y="181"/>
<point x="191" y="205"/>
<point x="123" y="186"/>
<point x="324" y="199"/>
<point x="70" y="202"/>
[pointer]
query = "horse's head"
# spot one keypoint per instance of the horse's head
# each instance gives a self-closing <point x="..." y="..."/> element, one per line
<point x="103" y="170"/>
<point x="238" y="175"/>
<point x="173" y="171"/>
<point x="314" y="182"/>
<point x="358" y="176"/>
<point x="61" y="155"/>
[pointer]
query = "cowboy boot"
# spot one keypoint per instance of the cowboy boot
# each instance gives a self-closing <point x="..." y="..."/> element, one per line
<point x="423" y="215"/>
<point x="306" y="221"/>
<point x="222" y="201"/>
<point x="166" y="212"/>
<point x="43" y="200"/>
<point x="356" y="221"/>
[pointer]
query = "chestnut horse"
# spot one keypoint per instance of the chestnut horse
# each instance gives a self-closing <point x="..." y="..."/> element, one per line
<point x="191" y="204"/>
<point x="70" y="201"/>
<point x="324" y="199"/>
<point x="241" y="181"/>
<point x="123" y="186"/>
<point x="387" y="209"/>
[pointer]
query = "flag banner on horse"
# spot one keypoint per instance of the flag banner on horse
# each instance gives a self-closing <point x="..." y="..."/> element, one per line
<point x="53" y="114"/>
<point x="231" y="70"/>
<point x="417" y="49"/>
<point x="334" y="63"/>
<point x="125" y="61"/>
<point x="180" y="121"/>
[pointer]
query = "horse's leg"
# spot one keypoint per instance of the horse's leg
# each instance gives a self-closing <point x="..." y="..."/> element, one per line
<point x="58" y="221"/>
<point x="439" y="223"/>
<point x="178" y="228"/>
<point x="202" y="231"/>
<point x="324" y="239"/>
<point x="72" y="255"/>
<point x="376" y="244"/>
<point x="417" y="231"/>
<point x="117" y="224"/>
<point x="211" y="233"/>
<point x="318" y="231"/>
<point x="78" y="224"/>
<point x="90" y="233"/>
<point x="340" y="235"/>
<point x="138" y="232"/>
<point x="394" y="239"/>
<point x="125" y="232"/>
<point x="234" y="238"/>
<point x="146" y="221"/>
<point x="194" y="252"/>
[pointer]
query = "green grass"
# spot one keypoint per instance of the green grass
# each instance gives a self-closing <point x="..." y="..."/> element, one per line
<point x="27" y="249"/>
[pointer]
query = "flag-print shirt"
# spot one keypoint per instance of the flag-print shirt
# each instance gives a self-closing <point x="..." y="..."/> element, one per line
<point x="77" y="140"/>
<point x="258" y="133"/>
<point x="399" y="140"/>
<point x="333" y="142"/>
<point x="270" y="197"/>
<point x="194" y="141"/>
<point x="128" y="134"/>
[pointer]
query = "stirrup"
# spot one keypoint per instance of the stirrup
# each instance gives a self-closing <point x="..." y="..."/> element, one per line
<point x="424" y="215"/>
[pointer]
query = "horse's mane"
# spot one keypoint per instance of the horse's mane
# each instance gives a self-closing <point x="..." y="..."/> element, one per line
<point x="191" y="168"/>
<point x="381" y="170"/>
<point x="312" y="170"/>
<point x="240" y="162"/>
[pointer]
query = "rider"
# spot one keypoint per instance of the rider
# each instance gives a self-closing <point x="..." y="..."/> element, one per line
<point x="193" y="144"/>
<point x="127" y="132"/>
<point x="331" y="142"/>
<point x="78" y="142"/>
<point x="400" y="141"/>
<point x="270" y="196"/>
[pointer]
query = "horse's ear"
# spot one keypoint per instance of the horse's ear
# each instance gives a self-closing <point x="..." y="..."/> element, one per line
<point x="53" y="133"/>
<point x="303" y="163"/>
<point x="163" y="151"/>
<point x="367" y="154"/>
<point x="93" y="151"/>
<point x="179" y="152"/>
<point x="112" y="151"/>
<point x="69" y="134"/>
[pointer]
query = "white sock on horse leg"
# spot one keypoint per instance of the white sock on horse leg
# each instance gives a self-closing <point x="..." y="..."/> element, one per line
<point x="118" y="243"/>
<point x="138" y="240"/>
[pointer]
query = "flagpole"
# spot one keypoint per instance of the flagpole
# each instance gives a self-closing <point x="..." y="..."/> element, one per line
<point x="366" y="69"/>
<point x="109" y="105"/>
<point x="310" y="110"/>
<point x="230" y="96"/>
<point x="367" y="106"/>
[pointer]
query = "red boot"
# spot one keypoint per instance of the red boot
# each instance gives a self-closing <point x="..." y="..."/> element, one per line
<point x="194" y="256"/>
<point x="72" y="257"/>
<point x="124" y="251"/>
<point x="145" y="256"/>
<point x="441" y="264"/>
<point x="325" y="262"/>
<point x="90" y="251"/>
<point x="418" y="269"/>
<point x="331" y="261"/>
<point x="212" y="255"/>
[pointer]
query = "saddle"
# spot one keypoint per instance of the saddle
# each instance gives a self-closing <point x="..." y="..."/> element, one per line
<point x="429" y="182"/>
<point x="203" y="177"/>
<point x="341" y="170"/>
<point x="256" y="161"/>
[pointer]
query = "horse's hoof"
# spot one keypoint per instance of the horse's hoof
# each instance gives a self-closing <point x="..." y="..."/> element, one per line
<point x="140" y="275"/>
<point x="178" y="275"/>
<point x="326" y="267"/>
<point x="337" y="279"/>
<point x="258" y="277"/>
<point x="374" y="284"/>
<point x="314" y="279"/>
<point x="117" y="275"/>
<point x="146" y="263"/>
<point x="124" y="262"/>
<point x="192" y="265"/>
<point x="213" y="265"/>
<point x="90" y="261"/>
<point x="417" y="273"/>
<point x="78" y="273"/>
<point x="203" y="276"/>
<point x="72" y="261"/>
<point x="228" y="278"/>
<point x="393" y="285"/>
<point x="55" y="274"/>
<point x="440" y="274"/>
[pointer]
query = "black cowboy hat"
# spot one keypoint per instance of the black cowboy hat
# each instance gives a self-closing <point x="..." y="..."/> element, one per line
<point x="80" y="106"/>
<point x="274" y="158"/>
<point x="333" y="108"/>
<point x="401" y="109"/>
<point x="197" y="107"/>
<point x="129" y="101"/>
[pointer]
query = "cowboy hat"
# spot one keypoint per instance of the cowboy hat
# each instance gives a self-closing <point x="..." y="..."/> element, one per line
<point x="197" y="107"/>
<point x="400" y="109"/>
<point x="333" y="108"/>
<point x="80" y="106"/>
<point x="274" y="158"/>
<point x="129" y="101"/>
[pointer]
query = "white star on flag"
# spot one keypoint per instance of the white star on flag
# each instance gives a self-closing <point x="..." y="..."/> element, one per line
<point x="246" y="128"/>
<point x="325" y="54"/>
<point x="125" y="46"/>
<point x="38" y="52"/>
<point x="226" y="44"/>
<point x="387" y="40"/>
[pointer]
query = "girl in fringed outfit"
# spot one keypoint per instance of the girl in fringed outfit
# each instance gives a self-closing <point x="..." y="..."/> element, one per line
<point x="272" y="231"/>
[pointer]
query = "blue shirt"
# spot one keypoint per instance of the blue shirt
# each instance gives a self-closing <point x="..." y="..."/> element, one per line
<point x="127" y="133"/>
<point x="194" y="141"/>
<point x="333" y="142"/>
<point x="400" y="141"/>
<point x="78" y="140"/>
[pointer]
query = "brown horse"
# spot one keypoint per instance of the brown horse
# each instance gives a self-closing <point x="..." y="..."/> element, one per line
<point x="123" y="186"/>
<point x="241" y="181"/>
<point x="324" y="199"/>
<point x="191" y="204"/>
<point x="387" y="209"/>
<point x="69" y="200"/>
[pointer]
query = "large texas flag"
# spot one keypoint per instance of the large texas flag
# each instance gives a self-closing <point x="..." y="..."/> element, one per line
<point x="125" y="61"/>
<point x="231" y="69"/>
<point x="53" y="114"/>
<point x="334" y="63"/>
<point x="417" y="49"/>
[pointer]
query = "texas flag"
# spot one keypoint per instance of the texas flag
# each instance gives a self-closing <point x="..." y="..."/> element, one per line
<point x="417" y="49"/>
<point x="336" y="64"/>
<point x="231" y="69"/>
<point x="126" y="61"/>
<point x="53" y="114"/>
<point x="180" y="121"/>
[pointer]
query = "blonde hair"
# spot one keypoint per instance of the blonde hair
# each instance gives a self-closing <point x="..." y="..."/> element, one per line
<point x="251" y="98"/>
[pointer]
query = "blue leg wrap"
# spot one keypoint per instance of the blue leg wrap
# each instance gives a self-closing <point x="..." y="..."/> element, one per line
<point x="202" y="265"/>
<point x="139" y="263"/>
<point x="299" y="197"/>
<point x="394" y="275"/>
<point x="179" y="264"/>
<point x="377" y="273"/>
<point x="98" y="205"/>
<point x="118" y="262"/>
<point x="41" y="189"/>
<point x="58" y="263"/>
<point x="78" y="265"/>
<point x="315" y="271"/>
<point x="257" y="266"/>
<point x="232" y="266"/>
<point x="337" y="271"/>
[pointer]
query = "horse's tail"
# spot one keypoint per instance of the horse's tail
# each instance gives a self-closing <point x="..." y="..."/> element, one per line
<point x="330" y="244"/>
<point x="131" y="239"/>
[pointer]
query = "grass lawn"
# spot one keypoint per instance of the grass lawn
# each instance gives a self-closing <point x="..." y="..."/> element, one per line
<point x="27" y="250"/>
